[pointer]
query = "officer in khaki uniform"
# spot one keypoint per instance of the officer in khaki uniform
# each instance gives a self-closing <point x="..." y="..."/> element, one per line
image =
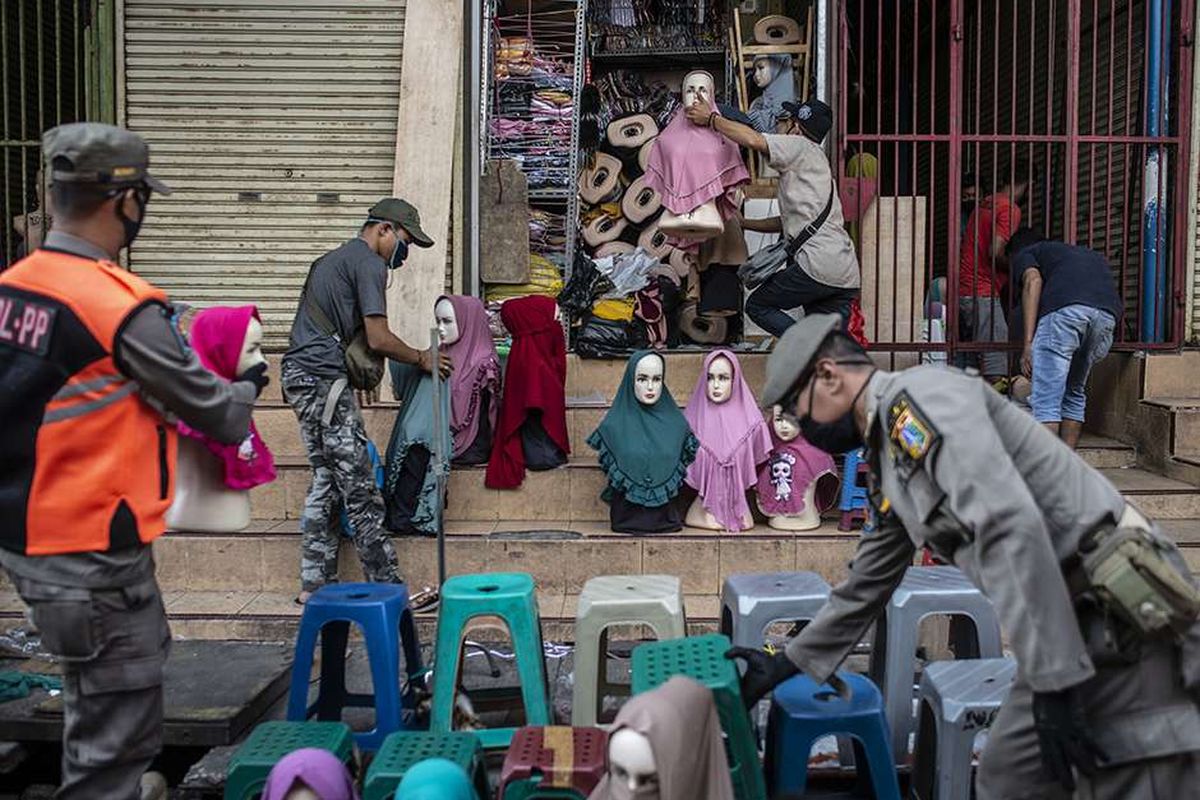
<point x="1099" y="608"/>
<point x="93" y="374"/>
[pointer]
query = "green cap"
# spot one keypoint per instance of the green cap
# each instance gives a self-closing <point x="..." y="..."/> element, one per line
<point x="404" y="214"/>
<point x="99" y="154"/>
<point x="793" y="353"/>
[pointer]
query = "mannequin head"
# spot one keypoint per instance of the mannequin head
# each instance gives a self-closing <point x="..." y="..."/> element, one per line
<point x="251" y="352"/>
<point x="446" y="321"/>
<point x="633" y="774"/>
<point x="648" y="379"/>
<point x="785" y="428"/>
<point x="720" y="380"/>
<point x="698" y="84"/>
<point x="764" y="71"/>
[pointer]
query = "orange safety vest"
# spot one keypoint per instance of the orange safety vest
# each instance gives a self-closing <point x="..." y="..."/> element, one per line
<point x="85" y="463"/>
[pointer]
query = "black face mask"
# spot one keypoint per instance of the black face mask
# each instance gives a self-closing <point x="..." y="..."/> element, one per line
<point x="839" y="436"/>
<point x="399" y="254"/>
<point x="133" y="226"/>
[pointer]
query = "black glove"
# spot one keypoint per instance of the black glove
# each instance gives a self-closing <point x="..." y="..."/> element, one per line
<point x="1064" y="737"/>
<point x="763" y="672"/>
<point x="256" y="375"/>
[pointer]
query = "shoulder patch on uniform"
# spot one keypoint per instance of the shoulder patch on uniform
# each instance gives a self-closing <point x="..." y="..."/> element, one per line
<point x="909" y="430"/>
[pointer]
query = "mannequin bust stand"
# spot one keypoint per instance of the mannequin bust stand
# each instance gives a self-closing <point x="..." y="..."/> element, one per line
<point x="719" y="389"/>
<point x="202" y="500"/>
<point x="782" y="474"/>
<point x="698" y="517"/>
<point x="632" y="770"/>
<point x="808" y="521"/>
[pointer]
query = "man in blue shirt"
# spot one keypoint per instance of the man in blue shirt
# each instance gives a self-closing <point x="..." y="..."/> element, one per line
<point x="1070" y="306"/>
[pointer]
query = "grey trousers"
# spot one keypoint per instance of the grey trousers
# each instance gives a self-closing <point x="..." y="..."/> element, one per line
<point x="114" y="644"/>
<point x="1133" y="709"/>
<point x="981" y="319"/>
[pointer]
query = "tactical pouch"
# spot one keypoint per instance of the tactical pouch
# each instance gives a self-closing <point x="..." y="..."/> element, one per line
<point x="1129" y="570"/>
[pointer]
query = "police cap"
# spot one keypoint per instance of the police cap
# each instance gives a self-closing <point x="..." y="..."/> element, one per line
<point x="99" y="155"/>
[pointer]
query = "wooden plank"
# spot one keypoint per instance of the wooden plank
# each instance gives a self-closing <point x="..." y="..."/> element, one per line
<point x="892" y="260"/>
<point x="425" y="158"/>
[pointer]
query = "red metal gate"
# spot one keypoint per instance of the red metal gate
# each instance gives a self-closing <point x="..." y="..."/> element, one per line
<point x="942" y="100"/>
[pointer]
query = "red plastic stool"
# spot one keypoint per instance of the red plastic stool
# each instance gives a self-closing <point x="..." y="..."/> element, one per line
<point x="554" y="761"/>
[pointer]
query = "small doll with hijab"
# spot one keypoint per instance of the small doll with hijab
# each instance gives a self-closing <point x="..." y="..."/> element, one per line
<point x="645" y="447"/>
<point x="797" y="482"/>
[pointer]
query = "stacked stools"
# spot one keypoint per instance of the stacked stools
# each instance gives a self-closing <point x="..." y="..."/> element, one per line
<point x="653" y="600"/>
<point x="553" y="762"/>
<point x="381" y="611"/>
<point x="958" y="699"/>
<point x="802" y="712"/>
<point x="270" y="742"/>
<point x="511" y="597"/>
<point x="752" y="603"/>
<point x="402" y="751"/>
<point x="702" y="658"/>
<point x="924" y="592"/>
<point x="854" y="505"/>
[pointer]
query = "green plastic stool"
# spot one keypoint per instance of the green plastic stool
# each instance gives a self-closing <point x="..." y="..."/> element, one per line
<point x="271" y="741"/>
<point x="404" y="749"/>
<point x="702" y="658"/>
<point x="510" y="596"/>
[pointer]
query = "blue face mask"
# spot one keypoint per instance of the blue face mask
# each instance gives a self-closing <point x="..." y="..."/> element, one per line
<point x="399" y="254"/>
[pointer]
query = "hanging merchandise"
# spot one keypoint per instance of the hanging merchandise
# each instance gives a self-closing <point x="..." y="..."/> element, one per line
<point x="504" y="223"/>
<point x="645" y="447"/>
<point x="616" y="26"/>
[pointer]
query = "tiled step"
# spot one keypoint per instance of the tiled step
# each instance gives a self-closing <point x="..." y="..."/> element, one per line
<point x="1159" y="497"/>
<point x="1182" y="421"/>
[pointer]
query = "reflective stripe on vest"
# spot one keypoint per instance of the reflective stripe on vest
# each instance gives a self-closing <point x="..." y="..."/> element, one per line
<point x="79" y="409"/>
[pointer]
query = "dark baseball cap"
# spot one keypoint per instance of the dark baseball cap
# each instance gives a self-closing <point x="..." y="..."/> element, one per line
<point x="100" y="155"/>
<point x="815" y="117"/>
<point x="794" y="353"/>
<point x="402" y="213"/>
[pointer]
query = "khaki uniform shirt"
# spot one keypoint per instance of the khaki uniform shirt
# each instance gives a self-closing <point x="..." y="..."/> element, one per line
<point x="805" y="185"/>
<point x="957" y="467"/>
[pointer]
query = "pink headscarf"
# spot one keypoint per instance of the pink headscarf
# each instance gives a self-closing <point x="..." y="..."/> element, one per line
<point x="476" y="368"/>
<point x="217" y="335"/>
<point x="690" y="165"/>
<point x="783" y="495"/>
<point x="734" y="440"/>
<point x="319" y="770"/>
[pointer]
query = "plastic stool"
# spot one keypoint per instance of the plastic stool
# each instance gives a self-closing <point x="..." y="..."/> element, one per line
<point x="957" y="700"/>
<point x="401" y="751"/>
<point x="924" y="591"/>
<point x="654" y="600"/>
<point x="553" y="762"/>
<point x="381" y="611"/>
<point x="702" y="658"/>
<point x="854" y="496"/>
<point x="510" y="596"/>
<point x="802" y="712"/>
<point x="752" y="603"/>
<point x="271" y="741"/>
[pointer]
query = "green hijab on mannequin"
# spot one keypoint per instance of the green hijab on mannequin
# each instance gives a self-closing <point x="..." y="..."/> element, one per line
<point x="435" y="779"/>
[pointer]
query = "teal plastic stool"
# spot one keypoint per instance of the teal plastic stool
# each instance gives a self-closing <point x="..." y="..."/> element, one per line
<point x="404" y="749"/>
<point x="702" y="658"/>
<point x="271" y="741"/>
<point x="511" y="597"/>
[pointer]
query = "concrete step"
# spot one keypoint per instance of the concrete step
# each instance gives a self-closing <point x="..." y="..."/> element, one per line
<point x="1182" y="415"/>
<point x="1171" y="374"/>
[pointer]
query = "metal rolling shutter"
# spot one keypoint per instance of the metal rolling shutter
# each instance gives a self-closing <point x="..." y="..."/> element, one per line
<point x="275" y="123"/>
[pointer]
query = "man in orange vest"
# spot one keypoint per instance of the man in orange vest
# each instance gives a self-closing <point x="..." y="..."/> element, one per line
<point x="93" y="374"/>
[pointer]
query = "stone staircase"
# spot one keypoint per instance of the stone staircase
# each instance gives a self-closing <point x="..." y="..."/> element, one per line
<point x="242" y="585"/>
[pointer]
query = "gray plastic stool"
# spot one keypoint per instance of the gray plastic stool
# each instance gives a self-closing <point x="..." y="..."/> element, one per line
<point x="751" y="603"/>
<point x="957" y="700"/>
<point x="654" y="600"/>
<point x="924" y="592"/>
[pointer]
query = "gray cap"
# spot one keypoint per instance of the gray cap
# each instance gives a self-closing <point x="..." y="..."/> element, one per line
<point x="99" y="154"/>
<point x="793" y="353"/>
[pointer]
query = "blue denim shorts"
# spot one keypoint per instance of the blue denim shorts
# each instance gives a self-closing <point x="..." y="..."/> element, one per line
<point x="1066" y="345"/>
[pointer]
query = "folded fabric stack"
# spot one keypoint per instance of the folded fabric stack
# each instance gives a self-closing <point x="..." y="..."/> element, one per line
<point x="623" y="25"/>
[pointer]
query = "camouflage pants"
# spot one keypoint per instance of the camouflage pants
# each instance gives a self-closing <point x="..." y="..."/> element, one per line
<point x="337" y="451"/>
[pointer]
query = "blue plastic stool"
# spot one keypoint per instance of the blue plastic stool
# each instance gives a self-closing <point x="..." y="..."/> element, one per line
<point x="854" y="505"/>
<point x="802" y="712"/>
<point x="376" y="465"/>
<point x="381" y="612"/>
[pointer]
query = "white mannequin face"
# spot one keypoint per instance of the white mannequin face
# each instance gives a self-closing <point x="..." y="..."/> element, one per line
<point x="301" y="793"/>
<point x="764" y="72"/>
<point x="446" y="321"/>
<point x="633" y="775"/>
<point x="648" y="380"/>
<point x="251" y="347"/>
<point x="698" y="84"/>
<point x="785" y="429"/>
<point x="720" y="380"/>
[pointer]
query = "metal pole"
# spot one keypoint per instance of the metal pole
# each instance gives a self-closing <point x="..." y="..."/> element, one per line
<point x="439" y="456"/>
<point x="472" y="163"/>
